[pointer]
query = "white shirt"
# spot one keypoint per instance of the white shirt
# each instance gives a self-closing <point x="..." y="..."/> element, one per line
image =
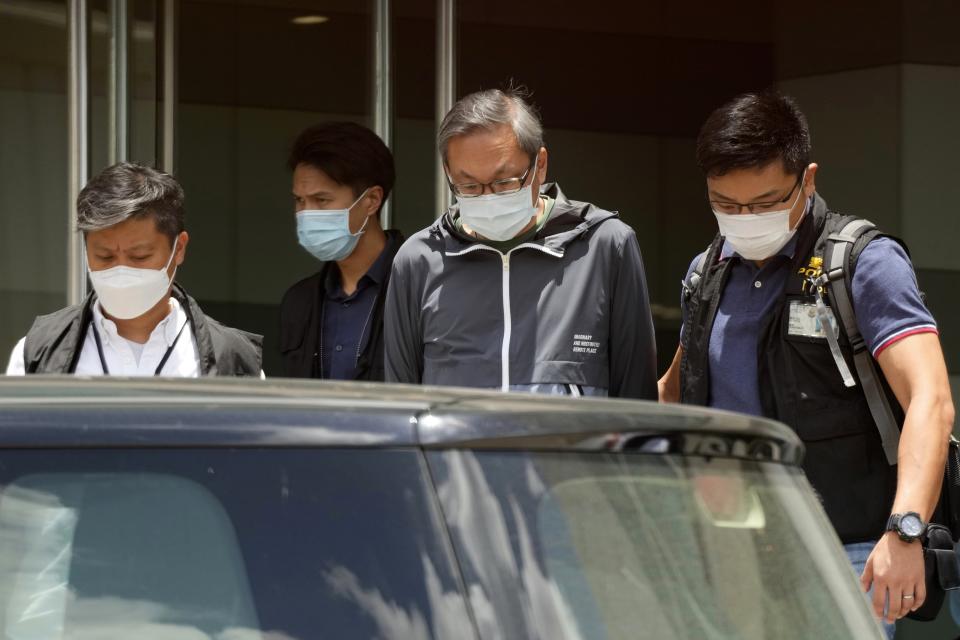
<point x="121" y="355"/>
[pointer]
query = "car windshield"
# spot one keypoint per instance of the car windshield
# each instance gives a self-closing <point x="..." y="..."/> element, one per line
<point x="628" y="545"/>
<point x="199" y="544"/>
<point x="298" y="543"/>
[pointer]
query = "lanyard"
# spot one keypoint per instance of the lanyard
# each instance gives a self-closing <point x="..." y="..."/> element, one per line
<point x="163" y="361"/>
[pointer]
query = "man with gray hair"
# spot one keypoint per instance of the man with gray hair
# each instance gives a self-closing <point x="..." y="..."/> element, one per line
<point x="136" y="321"/>
<point x="516" y="287"/>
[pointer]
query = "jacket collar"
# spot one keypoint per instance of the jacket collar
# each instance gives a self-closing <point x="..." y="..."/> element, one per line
<point x="189" y="306"/>
<point x="569" y="219"/>
<point x="378" y="272"/>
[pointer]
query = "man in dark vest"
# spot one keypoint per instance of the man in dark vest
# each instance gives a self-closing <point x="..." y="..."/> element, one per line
<point x="136" y="321"/>
<point x="756" y="340"/>
<point x="331" y="323"/>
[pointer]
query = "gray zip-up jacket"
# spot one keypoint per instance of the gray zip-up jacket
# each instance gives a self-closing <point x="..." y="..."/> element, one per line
<point x="566" y="312"/>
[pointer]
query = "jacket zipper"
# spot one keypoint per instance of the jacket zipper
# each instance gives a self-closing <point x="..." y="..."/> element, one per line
<point x="507" y="321"/>
<point x="507" y="326"/>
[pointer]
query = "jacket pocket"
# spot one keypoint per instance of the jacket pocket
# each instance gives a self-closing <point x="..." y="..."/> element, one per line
<point x="291" y="338"/>
<point x="592" y="373"/>
<point x="833" y="418"/>
<point x="854" y="482"/>
<point x="474" y="371"/>
<point x="298" y="360"/>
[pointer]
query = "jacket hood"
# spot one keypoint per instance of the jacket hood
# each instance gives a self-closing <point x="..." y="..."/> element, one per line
<point x="569" y="219"/>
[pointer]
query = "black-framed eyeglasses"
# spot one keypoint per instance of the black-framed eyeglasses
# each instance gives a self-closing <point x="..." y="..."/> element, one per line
<point x="732" y="208"/>
<point x="504" y="186"/>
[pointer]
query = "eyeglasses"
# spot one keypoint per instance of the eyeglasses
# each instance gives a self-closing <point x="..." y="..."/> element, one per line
<point x="731" y="208"/>
<point x="505" y="186"/>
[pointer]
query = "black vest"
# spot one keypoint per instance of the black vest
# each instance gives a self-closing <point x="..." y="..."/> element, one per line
<point x="54" y="342"/>
<point x="801" y="386"/>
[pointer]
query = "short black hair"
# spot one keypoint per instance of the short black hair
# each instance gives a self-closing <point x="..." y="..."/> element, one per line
<point x="348" y="153"/>
<point x="753" y="130"/>
<point x="130" y="190"/>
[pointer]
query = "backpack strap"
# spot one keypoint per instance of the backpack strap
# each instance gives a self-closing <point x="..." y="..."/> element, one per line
<point x="838" y="274"/>
<point x="700" y="313"/>
<point x="692" y="284"/>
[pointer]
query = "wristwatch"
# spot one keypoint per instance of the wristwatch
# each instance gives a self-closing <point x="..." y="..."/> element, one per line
<point x="909" y="526"/>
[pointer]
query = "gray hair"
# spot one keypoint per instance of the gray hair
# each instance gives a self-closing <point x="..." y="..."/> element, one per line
<point x="129" y="190"/>
<point x="485" y="110"/>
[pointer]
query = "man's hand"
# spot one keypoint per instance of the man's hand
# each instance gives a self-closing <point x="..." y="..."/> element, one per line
<point x="895" y="567"/>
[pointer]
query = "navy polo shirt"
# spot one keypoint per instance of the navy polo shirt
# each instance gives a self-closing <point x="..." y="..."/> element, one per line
<point x="886" y="300"/>
<point x="347" y="319"/>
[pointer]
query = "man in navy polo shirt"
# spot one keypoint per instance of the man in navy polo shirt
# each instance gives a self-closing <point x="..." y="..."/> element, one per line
<point x="752" y="341"/>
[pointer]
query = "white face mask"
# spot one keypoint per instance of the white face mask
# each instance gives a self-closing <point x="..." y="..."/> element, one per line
<point x="757" y="236"/>
<point x="128" y="292"/>
<point x="497" y="216"/>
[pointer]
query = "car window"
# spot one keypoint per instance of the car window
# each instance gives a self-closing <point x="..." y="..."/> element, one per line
<point x="248" y="544"/>
<point x="630" y="546"/>
<point x="106" y="555"/>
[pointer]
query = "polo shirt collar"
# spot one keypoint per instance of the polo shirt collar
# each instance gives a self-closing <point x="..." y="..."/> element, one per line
<point x="377" y="273"/>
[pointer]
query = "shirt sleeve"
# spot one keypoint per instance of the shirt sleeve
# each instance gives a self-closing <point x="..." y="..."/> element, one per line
<point x="16" y="365"/>
<point x="402" y="339"/>
<point x="633" y="350"/>
<point x="886" y="297"/>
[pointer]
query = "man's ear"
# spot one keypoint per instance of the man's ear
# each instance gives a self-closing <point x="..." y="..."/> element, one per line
<point x="542" y="161"/>
<point x="375" y="198"/>
<point x="810" y="185"/>
<point x="182" y="240"/>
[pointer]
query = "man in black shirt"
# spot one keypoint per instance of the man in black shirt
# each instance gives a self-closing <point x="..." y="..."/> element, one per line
<point x="331" y="323"/>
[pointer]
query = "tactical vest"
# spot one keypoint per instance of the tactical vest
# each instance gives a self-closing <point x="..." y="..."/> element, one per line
<point x="54" y="342"/>
<point x="801" y="383"/>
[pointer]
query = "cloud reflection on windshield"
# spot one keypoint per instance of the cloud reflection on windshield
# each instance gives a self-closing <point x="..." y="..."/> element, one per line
<point x="520" y="593"/>
<point x="447" y="612"/>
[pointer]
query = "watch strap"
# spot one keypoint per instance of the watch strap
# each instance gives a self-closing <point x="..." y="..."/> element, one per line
<point x="893" y="524"/>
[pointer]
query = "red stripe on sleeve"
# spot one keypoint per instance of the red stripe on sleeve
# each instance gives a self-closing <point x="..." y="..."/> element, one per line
<point x="894" y="339"/>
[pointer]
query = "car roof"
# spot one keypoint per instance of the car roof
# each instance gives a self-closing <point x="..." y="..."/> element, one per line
<point x="73" y="411"/>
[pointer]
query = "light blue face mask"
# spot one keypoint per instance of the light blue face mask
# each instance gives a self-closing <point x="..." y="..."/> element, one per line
<point x="325" y="233"/>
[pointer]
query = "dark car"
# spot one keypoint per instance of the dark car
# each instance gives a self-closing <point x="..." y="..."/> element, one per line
<point x="249" y="510"/>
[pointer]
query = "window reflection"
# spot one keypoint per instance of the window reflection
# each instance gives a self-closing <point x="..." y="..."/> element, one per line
<point x="638" y="546"/>
<point x="251" y="545"/>
<point x="101" y="555"/>
<point x="33" y="164"/>
<point x="250" y="79"/>
<point x="501" y="559"/>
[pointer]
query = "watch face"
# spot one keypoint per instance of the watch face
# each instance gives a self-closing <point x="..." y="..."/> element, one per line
<point x="911" y="526"/>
